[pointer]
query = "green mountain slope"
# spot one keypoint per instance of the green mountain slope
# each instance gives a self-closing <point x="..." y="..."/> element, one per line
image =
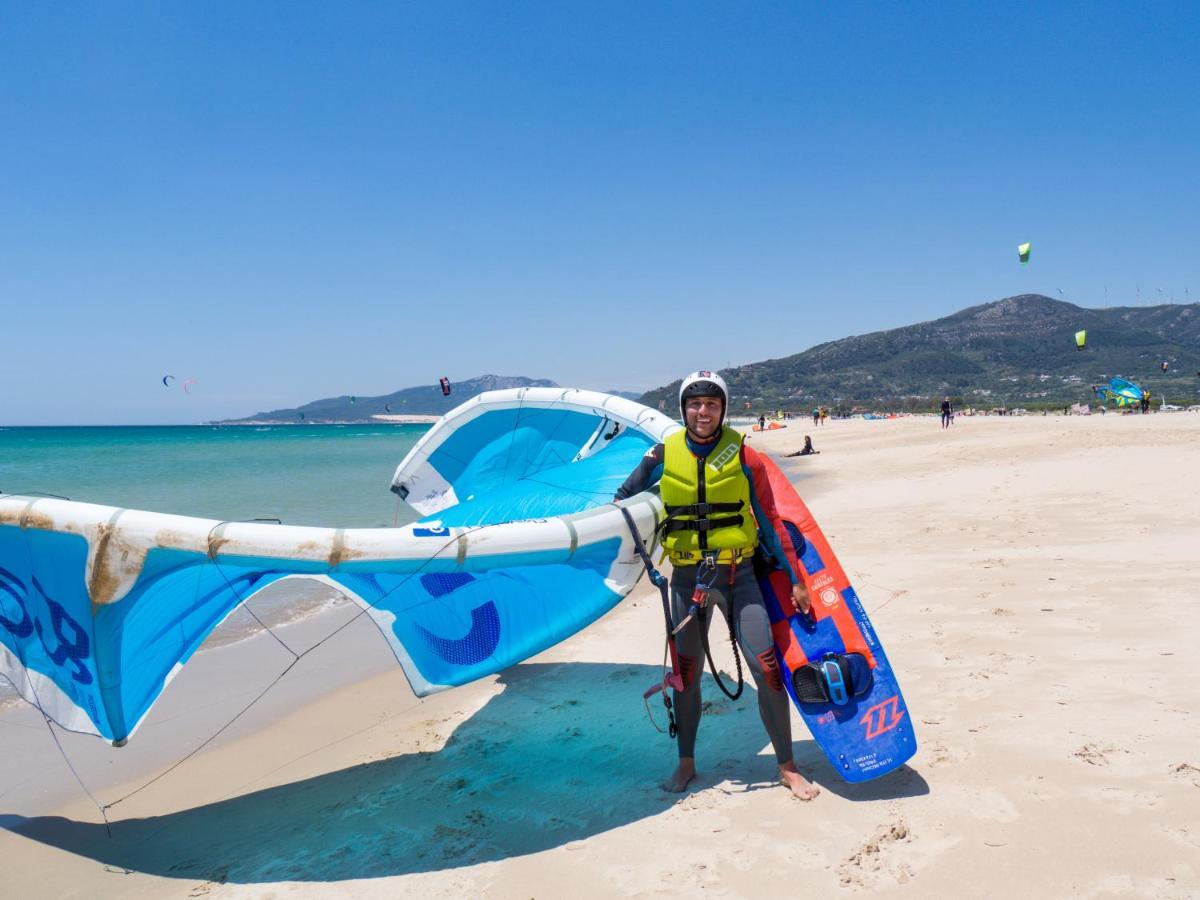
<point x="425" y="399"/>
<point x="1016" y="351"/>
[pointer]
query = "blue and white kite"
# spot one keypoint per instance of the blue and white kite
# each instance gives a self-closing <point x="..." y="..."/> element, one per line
<point x="521" y="546"/>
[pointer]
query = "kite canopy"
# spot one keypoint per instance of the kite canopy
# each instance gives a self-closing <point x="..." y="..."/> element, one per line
<point x="1023" y="252"/>
<point x="521" y="547"/>
<point x="1120" y="392"/>
<point x="1080" y="340"/>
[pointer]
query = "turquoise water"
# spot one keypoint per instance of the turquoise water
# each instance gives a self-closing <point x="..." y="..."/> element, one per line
<point x="332" y="475"/>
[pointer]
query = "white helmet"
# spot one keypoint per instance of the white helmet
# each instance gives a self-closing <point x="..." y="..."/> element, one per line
<point x="704" y="384"/>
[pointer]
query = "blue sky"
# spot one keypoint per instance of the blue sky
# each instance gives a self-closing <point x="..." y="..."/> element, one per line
<point x="292" y="201"/>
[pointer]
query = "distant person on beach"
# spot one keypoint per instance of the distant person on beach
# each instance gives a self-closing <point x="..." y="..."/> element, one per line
<point x="808" y="450"/>
<point x="824" y="413"/>
<point x="715" y="549"/>
<point x="947" y="413"/>
<point x="816" y="416"/>
<point x="762" y="423"/>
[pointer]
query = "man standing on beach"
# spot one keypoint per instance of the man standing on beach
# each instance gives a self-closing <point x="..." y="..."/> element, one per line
<point x="947" y="413"/>
<point x="719" y="510"/>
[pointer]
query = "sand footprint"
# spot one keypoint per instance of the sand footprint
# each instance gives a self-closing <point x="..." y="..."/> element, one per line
<point x="877" y="858"/>
<point x="1095" y="753"/>
<point x="1187" y="772"/>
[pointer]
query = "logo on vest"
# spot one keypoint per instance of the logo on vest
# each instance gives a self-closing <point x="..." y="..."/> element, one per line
<point x="829" y="597"/>
<point x="725" y="456"/>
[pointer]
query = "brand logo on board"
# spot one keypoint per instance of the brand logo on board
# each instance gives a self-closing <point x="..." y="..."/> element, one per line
<point x="882" y="717"/>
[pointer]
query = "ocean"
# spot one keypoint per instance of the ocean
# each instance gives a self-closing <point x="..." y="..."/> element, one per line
<point x="330" y="475"/>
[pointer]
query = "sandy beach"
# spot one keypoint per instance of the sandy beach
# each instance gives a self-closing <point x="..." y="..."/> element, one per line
<point x="1035" y="583"/>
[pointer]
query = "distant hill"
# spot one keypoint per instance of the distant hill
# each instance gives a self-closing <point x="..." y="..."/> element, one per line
<point x="1016" y="351"/>
<point x="426" y="399"/>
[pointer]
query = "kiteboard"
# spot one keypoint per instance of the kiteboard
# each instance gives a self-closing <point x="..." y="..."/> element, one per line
<point x="834" y="666"/>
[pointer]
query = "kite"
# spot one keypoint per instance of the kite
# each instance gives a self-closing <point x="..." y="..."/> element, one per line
<point x="1120" y="392"/>
<point x="166" y="379"/>
<point x="1080" y="340"/>
<point x="521" y="546"/>
<point x="445" y="383"/>
<point x="1023" y="252"/>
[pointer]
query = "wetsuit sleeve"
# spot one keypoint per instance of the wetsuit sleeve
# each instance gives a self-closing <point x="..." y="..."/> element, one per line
<point x="773" y="536"/>
<point x="647" y="473"/>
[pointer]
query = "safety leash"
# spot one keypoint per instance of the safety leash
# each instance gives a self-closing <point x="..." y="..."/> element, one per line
<point x="737" y="657"/>
<point x="674" y="678"/>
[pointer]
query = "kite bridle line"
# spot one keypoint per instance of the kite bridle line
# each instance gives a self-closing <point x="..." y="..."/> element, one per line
<point x="235" y="586"/>
<point x="363" y="610"/>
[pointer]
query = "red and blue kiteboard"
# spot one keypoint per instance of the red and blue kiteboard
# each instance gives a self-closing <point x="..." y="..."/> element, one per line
<point x="834" y="667"/>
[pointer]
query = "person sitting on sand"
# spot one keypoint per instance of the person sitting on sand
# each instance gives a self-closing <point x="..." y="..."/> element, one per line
<point x="721" y="546"/>
<point x="808" y="449"/>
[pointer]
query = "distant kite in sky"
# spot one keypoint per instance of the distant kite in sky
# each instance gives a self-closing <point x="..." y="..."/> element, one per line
<point x="353" y="399"/>
<point x="1080" y="340"/>
<point x="387" y="407"/>
<point x="188" y="383"/>
<point x="301" y="416"/>
<point x="445" y="383"/>
<point x="1023" y="251"/>
<point x="167" y="379"/>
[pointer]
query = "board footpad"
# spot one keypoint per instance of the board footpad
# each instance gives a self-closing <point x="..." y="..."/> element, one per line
<point x="838" y="678"/>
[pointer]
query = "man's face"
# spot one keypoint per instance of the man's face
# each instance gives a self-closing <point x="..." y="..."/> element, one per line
<point x="702" y="415"/>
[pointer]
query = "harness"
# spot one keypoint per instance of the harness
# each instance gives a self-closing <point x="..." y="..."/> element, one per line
<point x="705" y="579"/>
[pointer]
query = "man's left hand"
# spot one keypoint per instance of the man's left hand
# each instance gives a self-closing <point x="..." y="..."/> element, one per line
<point x="800" y="598"/>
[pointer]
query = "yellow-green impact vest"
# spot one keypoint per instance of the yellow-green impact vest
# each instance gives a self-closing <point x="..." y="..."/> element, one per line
<point x="707" y="501"/>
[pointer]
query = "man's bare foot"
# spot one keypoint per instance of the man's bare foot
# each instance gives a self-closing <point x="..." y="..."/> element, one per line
<point x="681" y="777"/>
<point x="801" y="787"/>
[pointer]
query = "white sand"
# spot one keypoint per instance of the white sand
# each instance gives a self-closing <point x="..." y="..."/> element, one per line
<point x="1035" y="581"/>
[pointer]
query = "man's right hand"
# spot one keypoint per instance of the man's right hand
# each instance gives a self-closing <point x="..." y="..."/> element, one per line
<point x="800" y="598"/>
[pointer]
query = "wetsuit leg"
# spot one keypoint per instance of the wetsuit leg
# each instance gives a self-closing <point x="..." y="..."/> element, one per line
<point x="753" y="628"/>
<point x="691" y="660"/>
